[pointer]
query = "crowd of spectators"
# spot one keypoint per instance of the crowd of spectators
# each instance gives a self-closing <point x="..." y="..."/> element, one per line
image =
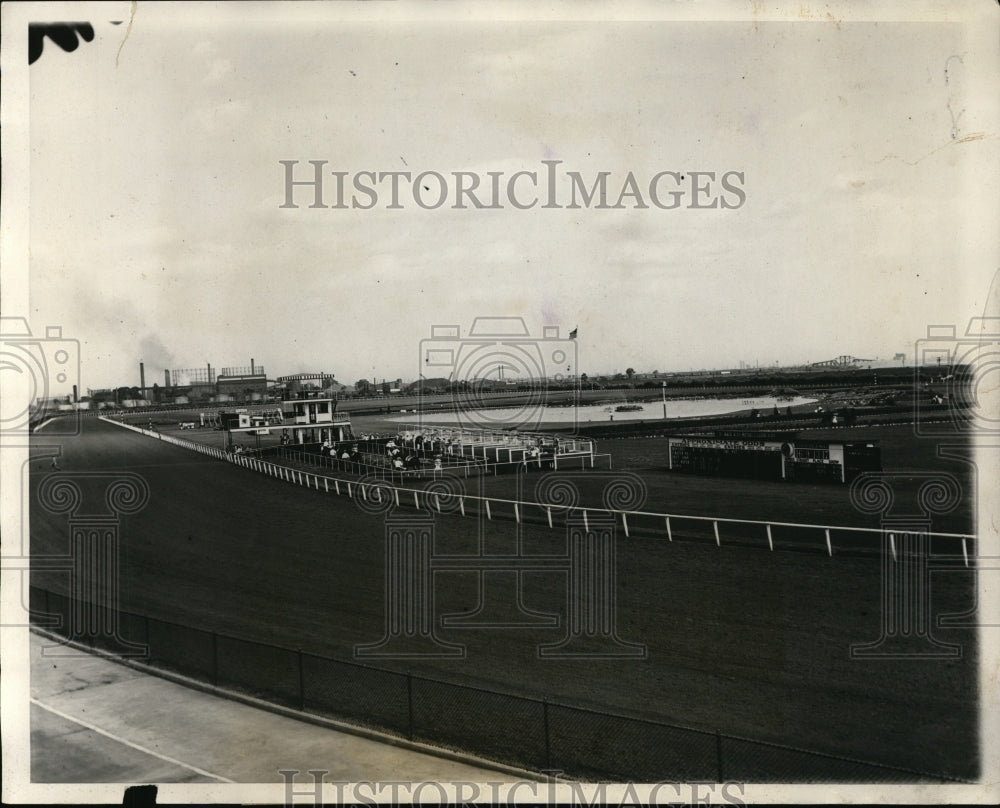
<point x="406" y="458"/>
<point x="435" y="449"/>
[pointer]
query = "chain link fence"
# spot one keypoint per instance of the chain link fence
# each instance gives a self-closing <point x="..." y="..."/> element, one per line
<point x="535" y="734"/>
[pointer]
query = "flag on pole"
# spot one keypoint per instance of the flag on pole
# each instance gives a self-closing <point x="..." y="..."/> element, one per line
<point x="572" y="334"/>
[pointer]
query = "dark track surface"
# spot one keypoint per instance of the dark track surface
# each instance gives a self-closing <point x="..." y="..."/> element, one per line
<point x="740" y="640"/>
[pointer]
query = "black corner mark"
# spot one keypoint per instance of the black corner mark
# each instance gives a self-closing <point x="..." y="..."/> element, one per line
<point x="64" y="34"/>
<point x="139" y="796"/>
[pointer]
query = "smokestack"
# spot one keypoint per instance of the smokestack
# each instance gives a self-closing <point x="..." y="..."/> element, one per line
<point x="210" y="379"/>
<point x="75" y="399"/>
<point x="251" y="366"/>
<point x="166" y="378"/>
<point x="142" y="380"/>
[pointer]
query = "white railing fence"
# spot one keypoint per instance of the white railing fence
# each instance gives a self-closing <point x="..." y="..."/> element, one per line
<point x="384" y="494"/>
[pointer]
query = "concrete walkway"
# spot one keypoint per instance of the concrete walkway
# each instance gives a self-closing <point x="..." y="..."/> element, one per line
<point x="97" y="721"/>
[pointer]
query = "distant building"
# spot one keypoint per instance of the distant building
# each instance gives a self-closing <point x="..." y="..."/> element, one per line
<point x="244" y="387"/>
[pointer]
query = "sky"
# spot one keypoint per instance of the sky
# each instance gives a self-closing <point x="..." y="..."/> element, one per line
<point x="157" y="231"/>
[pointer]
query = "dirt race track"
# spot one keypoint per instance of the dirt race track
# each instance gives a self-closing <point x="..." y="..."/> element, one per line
<point x="738" y="639"/>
